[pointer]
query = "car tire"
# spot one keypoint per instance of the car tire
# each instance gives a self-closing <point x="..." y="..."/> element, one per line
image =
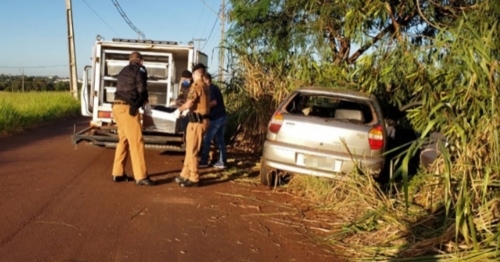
<point x="267" y="176"/>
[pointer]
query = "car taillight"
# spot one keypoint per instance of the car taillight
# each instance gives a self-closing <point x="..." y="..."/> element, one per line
<point x="276" y="122"/>
<point x="104" y="114"/>
<point x="376" y="138"/>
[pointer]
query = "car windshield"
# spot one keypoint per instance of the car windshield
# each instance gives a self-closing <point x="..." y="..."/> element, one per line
<point x="330" y="107"/>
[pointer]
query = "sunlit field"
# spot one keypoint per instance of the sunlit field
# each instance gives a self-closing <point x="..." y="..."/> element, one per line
<point x="19" y="111"/>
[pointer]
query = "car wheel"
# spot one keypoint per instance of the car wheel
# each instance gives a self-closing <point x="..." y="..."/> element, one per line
<point x="267" y="175"/>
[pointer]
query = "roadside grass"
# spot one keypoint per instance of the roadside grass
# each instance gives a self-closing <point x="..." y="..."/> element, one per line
<point x="374" y="223"/>
<point x="19" y="111"/>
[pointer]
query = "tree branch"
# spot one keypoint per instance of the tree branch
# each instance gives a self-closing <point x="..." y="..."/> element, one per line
<point x="331" y="41"/>
<point x="343" y="54"/>
<point x="423" y="16"/>
<point x="379" y="36"/>
<point x="366" y="46"/>
<point x="394" y="22"/>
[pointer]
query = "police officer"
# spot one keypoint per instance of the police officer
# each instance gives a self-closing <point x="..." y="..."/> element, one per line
<point x="198" y="104"/>
<point x="131" y="93"/>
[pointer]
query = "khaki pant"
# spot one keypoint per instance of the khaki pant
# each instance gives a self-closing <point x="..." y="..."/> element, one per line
<point x="130" y="140"/>
<point x="194" y="139"/>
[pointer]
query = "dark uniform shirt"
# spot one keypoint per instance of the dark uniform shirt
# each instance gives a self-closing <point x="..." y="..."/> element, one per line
<point x="131" y="86"/>
<point x="218" y="110"/>
<point x="200" y="94"/>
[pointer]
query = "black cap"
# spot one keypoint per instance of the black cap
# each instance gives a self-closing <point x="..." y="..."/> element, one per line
<point x="186" y="74"/>
<point x="208" y="76"/>
<point x="199" y="66"/>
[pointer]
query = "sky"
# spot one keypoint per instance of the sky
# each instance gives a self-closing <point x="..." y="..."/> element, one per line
<point x="34" y="32"/>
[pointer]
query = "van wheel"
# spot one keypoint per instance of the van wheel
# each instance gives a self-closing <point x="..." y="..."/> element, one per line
<point x="267" y="175"/>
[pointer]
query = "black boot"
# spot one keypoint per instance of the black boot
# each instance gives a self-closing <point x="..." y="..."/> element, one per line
<point x="122" y="178"/>
<point x="146" y="182"/>
<point x="189" y="183"/>
<point x="180" y="179"/>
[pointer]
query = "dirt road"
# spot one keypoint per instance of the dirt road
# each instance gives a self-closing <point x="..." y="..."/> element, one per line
<point x="58" y="203"/>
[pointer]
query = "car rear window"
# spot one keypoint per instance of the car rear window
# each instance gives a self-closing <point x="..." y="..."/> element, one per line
<point x="330" y="107"/>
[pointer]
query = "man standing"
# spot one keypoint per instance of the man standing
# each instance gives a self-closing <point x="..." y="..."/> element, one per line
<point x="198" y="102"/>
<point x="131" y="93"/>
<point x="185" y="83"/>
<point x="217" y="126"/>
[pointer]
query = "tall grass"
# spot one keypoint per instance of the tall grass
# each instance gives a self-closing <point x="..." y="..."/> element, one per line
<point x="19" y="111"/>
<point x="375" y="225"/>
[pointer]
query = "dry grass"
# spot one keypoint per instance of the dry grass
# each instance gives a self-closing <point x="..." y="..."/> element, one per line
<point x="369" y="223"/>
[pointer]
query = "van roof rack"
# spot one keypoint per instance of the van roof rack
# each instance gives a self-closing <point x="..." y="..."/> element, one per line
<point x="144" y="41"/>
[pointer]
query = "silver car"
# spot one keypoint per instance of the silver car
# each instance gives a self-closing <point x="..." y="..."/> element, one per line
<point x="324" y="132"/>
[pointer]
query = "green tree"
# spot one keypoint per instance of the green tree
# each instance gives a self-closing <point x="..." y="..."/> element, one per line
<point x="50" y="86"/>
<point x="62" y="86"/>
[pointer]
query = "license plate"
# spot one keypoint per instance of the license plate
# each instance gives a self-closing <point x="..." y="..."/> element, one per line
<point x="312" y="161"/>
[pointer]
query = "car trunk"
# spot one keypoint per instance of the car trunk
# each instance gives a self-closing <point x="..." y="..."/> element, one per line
<point x="325" y="134"/>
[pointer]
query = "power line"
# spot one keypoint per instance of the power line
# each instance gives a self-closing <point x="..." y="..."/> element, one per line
<point x="199" y="20"/>
<point x="211" y="31"/>
<point x="122" y="13"/>
<point x="100" y="18"/>
<point x="211" y="9"/>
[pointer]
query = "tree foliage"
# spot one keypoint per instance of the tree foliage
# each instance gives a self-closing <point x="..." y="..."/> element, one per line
<point x="12" y="83"/>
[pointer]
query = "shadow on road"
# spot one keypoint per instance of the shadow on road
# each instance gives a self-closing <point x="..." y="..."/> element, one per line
<point x="241" y="167"/>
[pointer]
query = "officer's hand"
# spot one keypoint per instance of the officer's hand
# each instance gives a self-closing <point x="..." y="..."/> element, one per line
<point x="185" y="113"/>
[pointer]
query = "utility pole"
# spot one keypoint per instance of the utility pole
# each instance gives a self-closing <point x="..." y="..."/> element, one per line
<point x="222" y="16"/>
<point x="221" y="49"/>
<point x="22" y="77"/>
<point x="73" y="77"/>
<point x="199" y="40"/>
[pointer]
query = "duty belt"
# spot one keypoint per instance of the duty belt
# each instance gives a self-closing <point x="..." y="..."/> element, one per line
<point x="196" y="117"/>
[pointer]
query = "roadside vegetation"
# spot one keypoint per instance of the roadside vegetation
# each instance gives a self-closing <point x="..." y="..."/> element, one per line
<point x="27" y="83"/>
<point x="19" y="111"/>
<point x="443" y="53"/>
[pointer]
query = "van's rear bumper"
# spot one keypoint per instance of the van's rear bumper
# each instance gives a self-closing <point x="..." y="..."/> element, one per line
<point x="296" y="159"/>
<point x="107" y="137"/>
